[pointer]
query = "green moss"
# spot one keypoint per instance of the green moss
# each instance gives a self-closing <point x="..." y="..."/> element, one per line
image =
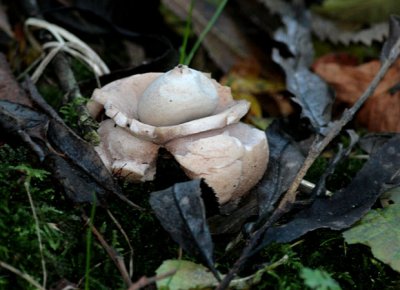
<point x="64" y="233"/>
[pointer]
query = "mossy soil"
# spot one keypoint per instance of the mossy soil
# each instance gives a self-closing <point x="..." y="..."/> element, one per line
<point x="64" y="235"/>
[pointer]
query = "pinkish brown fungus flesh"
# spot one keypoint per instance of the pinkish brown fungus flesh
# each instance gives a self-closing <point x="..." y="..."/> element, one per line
<point x="189" y="114"/>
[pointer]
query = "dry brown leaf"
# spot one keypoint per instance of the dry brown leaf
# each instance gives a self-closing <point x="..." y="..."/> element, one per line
<point x="9" y="88"/>
<point x="381" y="113"/>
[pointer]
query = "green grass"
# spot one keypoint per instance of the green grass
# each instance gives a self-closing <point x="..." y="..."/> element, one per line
<point x="187" y="59"/>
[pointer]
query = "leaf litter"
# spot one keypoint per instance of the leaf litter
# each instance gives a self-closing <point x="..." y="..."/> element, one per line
<point x="73" y="161"/>
<point x="308" y="89"/>
<point x="180" y="208"/>
<point x="181" y="211"/>
<point x="348" y="205"/>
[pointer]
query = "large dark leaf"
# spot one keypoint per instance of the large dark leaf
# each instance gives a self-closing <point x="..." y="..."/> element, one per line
<point x="297" y="36"/>
<point x="73" y="161"/>
<point x="309" y="90"/>
<point x="75" y="171"/>
<point x="28" y="124"/>
<point x="284" y="161"/>
<point x="347" y="206"/>
<point x="181" y="212"/>
<point x="81" y="153"/>
<point x="373" y="141"/>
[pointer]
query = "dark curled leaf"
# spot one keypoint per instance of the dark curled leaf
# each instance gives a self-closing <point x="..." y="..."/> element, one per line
<point x="35" y="129"/>
<point x="285" y="160"/>
<point x="181" y="212"/>
<point x="80" y="153"/>
<point x="25" y="123"/>
<point x="16" y="117"/>
<point x="297" y="37"/>
<point x="373" y="141"/>
<point x="73" y="161"/>
<point x="78" y="186"/>
<point x="394" y="35"/>
<point x="346" y="206"/>
<point x="309" y="90"/>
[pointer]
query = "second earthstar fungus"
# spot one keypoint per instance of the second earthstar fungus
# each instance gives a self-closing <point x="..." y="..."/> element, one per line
<point x="189" y="114"/>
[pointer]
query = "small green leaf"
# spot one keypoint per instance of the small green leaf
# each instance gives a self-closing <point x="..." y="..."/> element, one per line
<point x="380" y="230"/>
<point x="188" y="275"/>
<point x="318" y="280"/>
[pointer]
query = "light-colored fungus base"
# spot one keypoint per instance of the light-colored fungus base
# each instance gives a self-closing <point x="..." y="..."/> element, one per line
<point x="125" y="155"/>
<point x="231" y="160"/>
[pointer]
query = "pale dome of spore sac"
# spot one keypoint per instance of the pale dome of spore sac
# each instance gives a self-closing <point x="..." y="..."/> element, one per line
<point x="178" y="96"/>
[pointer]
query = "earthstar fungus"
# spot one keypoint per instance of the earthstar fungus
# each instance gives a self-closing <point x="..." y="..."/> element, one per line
<point x="193" y="117"/>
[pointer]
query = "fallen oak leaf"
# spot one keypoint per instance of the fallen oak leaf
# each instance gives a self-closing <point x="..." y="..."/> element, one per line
<point x="380" y="113"/>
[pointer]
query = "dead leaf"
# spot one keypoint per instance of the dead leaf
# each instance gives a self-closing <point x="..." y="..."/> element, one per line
<point x="73" y="162"/>
<point x="346" y="206"/>
<point x="9" y="88"/>
<point x="326" y="29"/>
<point x="284" y="161"/>
<point x="381" y="112"/>
<point x="394" y="35"/>
<point x="309" y="90"/>
<point x="180" y="210"/>
<point x="247" y="83"/>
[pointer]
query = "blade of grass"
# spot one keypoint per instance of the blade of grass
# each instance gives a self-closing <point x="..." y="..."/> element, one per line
<point x="186" y="33"/>
<point x="24" y="276"/>
<point x="203" y="34"/>
<point x="37" y="228"/>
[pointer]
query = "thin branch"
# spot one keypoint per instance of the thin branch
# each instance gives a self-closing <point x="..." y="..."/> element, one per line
<point x="126" y="239"/>
<point x="112" y="253"/>
<point x="24" y="276"/>
<point x="316" y="149"/>
<point x="144" y="281"/>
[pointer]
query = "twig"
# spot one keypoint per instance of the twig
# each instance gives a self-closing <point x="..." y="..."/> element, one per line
<point x="130" y="203"/>
<point x="144" y="281"/>
<point x="316" y="149"/>
<point x="24" y="276"/>
<point x="112" y="253"/>
<point x="126" y="239"/>
<point x="37" y="229"/>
